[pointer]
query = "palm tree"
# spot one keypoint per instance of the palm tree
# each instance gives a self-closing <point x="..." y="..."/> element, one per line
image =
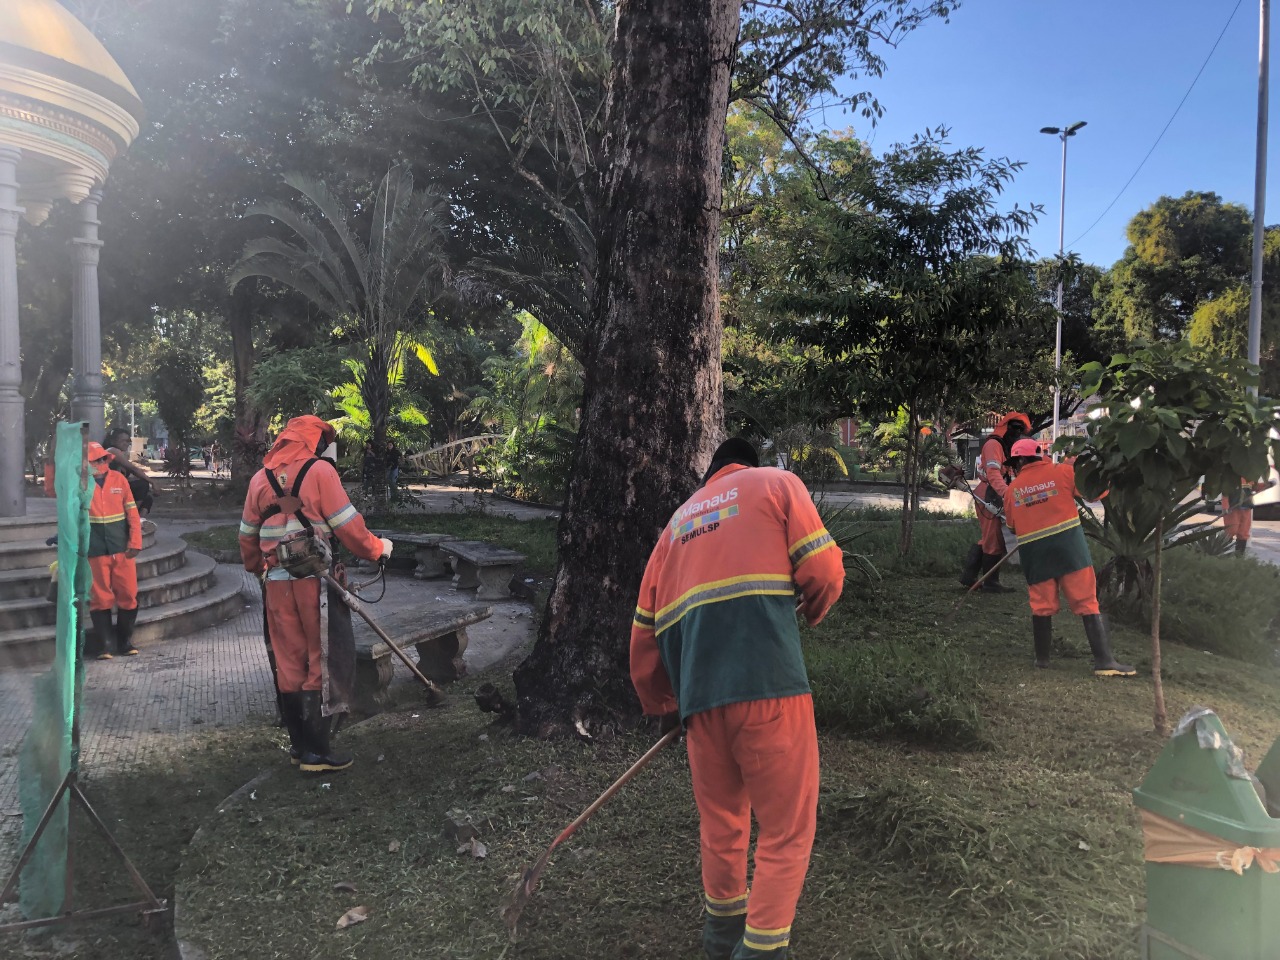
<point x="380" y="289"/>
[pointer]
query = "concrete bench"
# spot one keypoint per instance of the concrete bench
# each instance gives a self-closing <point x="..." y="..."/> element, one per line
<point x="439" y="635"/>
<point x="482" y="567"/>
<point x="430" y="562"/>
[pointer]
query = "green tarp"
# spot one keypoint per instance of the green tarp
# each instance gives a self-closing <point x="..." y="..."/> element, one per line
<point x="49" y="750"/>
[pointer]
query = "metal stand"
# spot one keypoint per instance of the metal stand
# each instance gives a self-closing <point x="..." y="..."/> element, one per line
<point x="147" y="907"/>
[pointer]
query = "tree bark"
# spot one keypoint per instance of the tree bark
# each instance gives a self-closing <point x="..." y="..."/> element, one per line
<point x="250" y="441"/>
<point x="652" y="409"/>
<point x="1160" y="718"/>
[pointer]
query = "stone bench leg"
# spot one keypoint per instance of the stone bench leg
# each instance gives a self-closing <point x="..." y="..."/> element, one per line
<point x="373" y="678"/>
<point x="441" y="658"/>
<point x="432" y="563"/>
<point x="494" y="583"/>
<point x="466" y="576"/>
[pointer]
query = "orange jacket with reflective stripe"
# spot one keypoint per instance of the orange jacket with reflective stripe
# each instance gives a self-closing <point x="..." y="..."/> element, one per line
<point x="114" y="523"/>
<point x="716" y="618"/>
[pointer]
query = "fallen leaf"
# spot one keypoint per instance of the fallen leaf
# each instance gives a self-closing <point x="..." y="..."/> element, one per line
<point x="353" y="916"/>
<point x="253" y="794"/>
<point x="1084" y="846"/>
<point x="381" y="757"/>
<point x="509" y="788"/>
<point x="484" y="736"/>
<point x="393" y="846"/>
<point x="475" y="848"/>
<point x="344" y="886"/>
<point x="533" y="776"/>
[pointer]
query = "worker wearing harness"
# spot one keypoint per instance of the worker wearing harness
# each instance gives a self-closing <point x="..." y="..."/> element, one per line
<point x="1040" y="505"/>
<point x="286" y="538"/>
<point x="985" y="554"/>
<point x="714" y="644"/>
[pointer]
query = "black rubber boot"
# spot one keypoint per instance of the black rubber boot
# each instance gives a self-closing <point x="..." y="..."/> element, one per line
<point x="1042" y="634"/>
<point x="972" y="564"/>
<point x="317" y="757"/>
<point x="1104" y="664"/>
<point x="721" y="934"/>
<point x="992" y="583"/>
<point x="1240" y="547"/>
<point x="125" y="620"/>
<point x="100" y="648"/>
<point x="293" y="716"/>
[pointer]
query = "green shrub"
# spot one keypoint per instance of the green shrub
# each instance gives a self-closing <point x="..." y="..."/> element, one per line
<point x="921" y="689"/>
<point x="1225" y="604"/>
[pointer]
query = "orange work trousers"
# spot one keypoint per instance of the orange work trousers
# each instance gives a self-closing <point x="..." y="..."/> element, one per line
<point x="293" y="618"/>
<point x="1080" y="587"/>
<point x="760" y="756"/>
<point x="992" y="538"/>
<point x="1238" y="523"/>
<point x="115" y="582"/>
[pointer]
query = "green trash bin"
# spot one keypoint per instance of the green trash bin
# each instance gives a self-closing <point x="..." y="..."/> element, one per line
<point x="1205" y="910"/>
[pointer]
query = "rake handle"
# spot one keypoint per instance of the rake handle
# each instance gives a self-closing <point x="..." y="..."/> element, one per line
<point x="617" y="785"/>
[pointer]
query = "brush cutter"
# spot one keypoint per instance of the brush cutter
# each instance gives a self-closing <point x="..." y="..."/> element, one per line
<point x="523" y="892"/>
<point x="437" y="695"/>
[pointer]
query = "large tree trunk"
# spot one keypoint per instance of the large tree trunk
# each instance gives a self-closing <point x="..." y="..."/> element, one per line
<point x="652" y="409"/>
<point x="250" y="441"/>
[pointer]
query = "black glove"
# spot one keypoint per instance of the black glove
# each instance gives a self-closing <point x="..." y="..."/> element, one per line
<point x="668" y="722"/>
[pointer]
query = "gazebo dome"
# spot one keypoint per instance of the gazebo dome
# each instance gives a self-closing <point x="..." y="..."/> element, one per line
<point x="64" y="102"/>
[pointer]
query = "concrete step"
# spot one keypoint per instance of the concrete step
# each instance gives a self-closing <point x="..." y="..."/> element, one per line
<point x="193" y="578"/>
<point x="164" y="555"/>
<point x="34" y="646"/>
<point x="25" y="554"/>
<point x="27" y="528"/>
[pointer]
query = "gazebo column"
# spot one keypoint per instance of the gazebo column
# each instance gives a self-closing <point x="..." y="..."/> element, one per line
<point x="13" y="456"/>
<point x="86" y="324"/>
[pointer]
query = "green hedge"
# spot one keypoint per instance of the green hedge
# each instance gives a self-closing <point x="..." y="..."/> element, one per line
<point x="1228" y="605"/>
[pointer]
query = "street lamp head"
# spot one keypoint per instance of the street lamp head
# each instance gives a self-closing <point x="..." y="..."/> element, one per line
<point x="1071" y="130"/>
<point x="1050" y="130"/>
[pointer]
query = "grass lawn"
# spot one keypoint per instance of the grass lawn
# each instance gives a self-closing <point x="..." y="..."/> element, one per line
<point x="971" y="806"/>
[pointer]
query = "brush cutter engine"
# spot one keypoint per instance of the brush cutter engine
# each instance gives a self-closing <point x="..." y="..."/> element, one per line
<point x="304" y="554"/>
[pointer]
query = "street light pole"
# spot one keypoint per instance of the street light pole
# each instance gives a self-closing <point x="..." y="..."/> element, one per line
<point x="1259" y="189"/>
<point x="1062" y="133"/>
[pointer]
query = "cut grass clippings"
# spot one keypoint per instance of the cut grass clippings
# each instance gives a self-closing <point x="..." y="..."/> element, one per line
<point x="972" y="807"/>
<point x="1029" y="847"/>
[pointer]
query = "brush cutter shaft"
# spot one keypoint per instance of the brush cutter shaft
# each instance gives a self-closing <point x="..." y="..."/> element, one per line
<point x="358" y="607"/>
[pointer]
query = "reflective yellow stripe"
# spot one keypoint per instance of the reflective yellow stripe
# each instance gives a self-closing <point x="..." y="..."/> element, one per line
<point x="757" y="584"/>
<point x="810" y="545"/>
<point x="114" y="518"/>
<point x="1050" y="531"/>
<point x="726" y="907"/>
<point x="345" y="515"/>
<point x="249" y="529"/>
<point x="643" y="618"/>
<point x="774" y="939"/>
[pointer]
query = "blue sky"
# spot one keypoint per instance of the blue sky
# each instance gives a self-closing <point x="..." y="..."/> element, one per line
<point x="1002" y="69"/>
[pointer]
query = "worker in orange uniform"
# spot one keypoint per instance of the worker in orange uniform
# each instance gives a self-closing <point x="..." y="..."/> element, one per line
<point x="115" y="538"/>
<point x="715" y="645"/>
<point x="988" y="551"/>
<point x="314" y="679"/>
<point x="1040" y="507"/>
<point x="1237" y="520"/>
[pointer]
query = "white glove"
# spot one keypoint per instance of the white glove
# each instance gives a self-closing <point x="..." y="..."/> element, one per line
<point x="386" y="548"/>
